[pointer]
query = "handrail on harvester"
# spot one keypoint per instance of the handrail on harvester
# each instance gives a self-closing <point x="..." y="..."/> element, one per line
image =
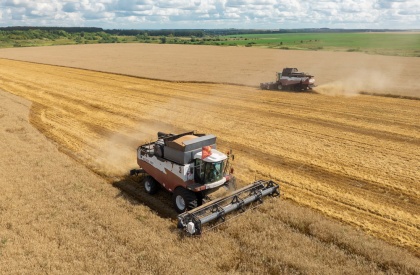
<point x="193" y="220"/>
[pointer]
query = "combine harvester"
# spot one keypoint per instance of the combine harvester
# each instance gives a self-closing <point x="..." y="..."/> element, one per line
<point x="189" y="166"/>
<point x="290" y="80"/>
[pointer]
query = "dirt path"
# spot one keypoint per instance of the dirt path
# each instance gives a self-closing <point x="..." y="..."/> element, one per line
<point x="335" y="72"/>
<point x="354" y="159"/>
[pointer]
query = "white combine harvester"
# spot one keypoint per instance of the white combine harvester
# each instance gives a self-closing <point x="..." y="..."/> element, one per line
<point x="190" y="167"/>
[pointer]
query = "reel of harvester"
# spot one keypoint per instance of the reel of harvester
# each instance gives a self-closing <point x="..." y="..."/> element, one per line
<point x="215" y="211"/>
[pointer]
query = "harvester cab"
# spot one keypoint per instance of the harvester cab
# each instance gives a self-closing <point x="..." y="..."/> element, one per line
<point x="210" y="169"/>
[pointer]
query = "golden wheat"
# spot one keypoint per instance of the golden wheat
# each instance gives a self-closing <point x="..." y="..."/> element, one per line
<point x="352" y="159"/>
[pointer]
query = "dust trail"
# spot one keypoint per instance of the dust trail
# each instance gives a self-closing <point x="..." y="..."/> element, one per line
<point x="119" y="153"/>
<point x="361" y="81"/>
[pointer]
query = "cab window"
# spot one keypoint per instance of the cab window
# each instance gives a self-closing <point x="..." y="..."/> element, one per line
<point x="213" y="172"/>
<point x="207" y="172"/>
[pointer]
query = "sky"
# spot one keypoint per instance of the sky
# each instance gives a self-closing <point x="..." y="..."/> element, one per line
<point x="212" y="14"/>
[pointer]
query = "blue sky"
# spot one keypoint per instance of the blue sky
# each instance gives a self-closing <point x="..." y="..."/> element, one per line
<point x="192" y="14"/>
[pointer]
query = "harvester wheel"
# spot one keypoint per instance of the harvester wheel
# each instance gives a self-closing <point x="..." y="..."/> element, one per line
<point x="150" y="185"/>
<point x="280" y="87"/>
<point x="184" y="199"/>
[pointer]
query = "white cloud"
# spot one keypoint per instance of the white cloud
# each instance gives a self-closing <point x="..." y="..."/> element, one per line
<point x="212" y="13"/>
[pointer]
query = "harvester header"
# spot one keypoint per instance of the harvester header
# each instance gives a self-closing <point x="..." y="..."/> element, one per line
<point x="214" y="211"/>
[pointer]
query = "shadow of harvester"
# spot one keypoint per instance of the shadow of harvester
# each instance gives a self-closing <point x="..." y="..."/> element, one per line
<point x="131" y="188"/>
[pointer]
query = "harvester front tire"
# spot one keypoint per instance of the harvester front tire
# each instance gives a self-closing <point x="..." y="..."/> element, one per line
<point x="150" y="185"/>
<point x="184" y="199"/>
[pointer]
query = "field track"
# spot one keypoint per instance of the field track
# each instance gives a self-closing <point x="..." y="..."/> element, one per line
<point x="355" y="159"/>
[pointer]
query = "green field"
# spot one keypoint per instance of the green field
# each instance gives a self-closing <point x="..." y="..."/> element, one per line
<point x="404" y="44"/>
<point x="384" y="43"/>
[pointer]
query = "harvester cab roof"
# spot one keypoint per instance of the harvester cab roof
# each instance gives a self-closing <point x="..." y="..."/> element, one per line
<point x="289" y="71"/>
<point x="216" y="156"/>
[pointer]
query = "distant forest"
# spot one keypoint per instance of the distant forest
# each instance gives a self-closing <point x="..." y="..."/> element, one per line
<point x="189" y="32"/>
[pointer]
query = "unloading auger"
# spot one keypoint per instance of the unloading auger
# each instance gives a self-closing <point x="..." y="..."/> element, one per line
<point x="192" y="221"/>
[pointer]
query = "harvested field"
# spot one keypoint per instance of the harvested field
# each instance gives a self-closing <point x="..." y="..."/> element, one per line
<point x="353" y="159"/>
<point x="336" y="72"/>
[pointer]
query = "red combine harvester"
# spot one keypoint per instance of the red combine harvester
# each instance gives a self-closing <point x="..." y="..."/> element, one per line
<point x="190" y="167"/>
<point x="290" y="80"/>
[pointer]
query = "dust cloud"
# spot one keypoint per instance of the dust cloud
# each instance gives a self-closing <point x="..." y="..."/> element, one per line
<point x="361" y="81"/>
<point x="117" y="155"/>
<point x="119" y="151"/>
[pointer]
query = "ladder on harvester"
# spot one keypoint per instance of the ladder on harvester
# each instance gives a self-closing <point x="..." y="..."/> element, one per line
<point x="192" y="221"/>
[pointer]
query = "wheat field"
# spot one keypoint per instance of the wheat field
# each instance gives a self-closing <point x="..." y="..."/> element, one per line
<point x="349" y="159"/>
<point x="337" y="72"/>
